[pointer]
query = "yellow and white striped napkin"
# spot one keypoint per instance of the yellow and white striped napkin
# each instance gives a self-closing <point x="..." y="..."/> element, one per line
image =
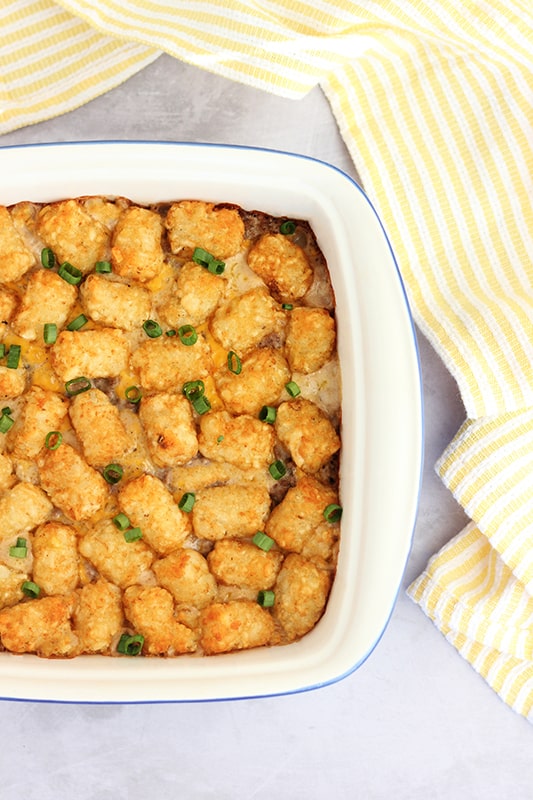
<point x="435" y="103"/>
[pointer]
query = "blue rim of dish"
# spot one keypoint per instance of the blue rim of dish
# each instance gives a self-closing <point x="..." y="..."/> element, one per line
<point x="358" y="664"/>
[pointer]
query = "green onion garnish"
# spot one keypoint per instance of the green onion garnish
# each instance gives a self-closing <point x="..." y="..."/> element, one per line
<point x="293" y="389"/>
<point x="277" y="470"/>
<point x="20" y="549"/>
<point x="333" y="512"/>
<point x="77" y="323"/>
<point x="50" y="332"/>
<point x="205" y="259"/>
<point x="13" y="356"/>
<point x="234" y="363"/>
<point x="6" y="422"/>
<point x="152" y="328"/>
<point x="77" y="386"/>
<point x="266" y="599"/>
<point x="263" y="541"/>
<point x="201" y="404"/>
<point x="187" y="335"/>
<point x="130" y="645"/>
<point x="133" y="534"/>
<point x="133" y="394"/>
<point x="287" y="227"/>
<point x="287" y="306"/>
<point x="70" y="274"/>
<point x="31" y="589"/>
<point x="53" y="440"/>
<point x="171" y="332"/>
<point x="121" y="522"/>
<point x="48" y="259"/>
<point x="6" y="410"/>
<point x="113" y="473"/>
<point x="103" y="267"/>
<point x="192" y="389"/>
<point x="268" y="414"/>
<point x="187" y="501"/>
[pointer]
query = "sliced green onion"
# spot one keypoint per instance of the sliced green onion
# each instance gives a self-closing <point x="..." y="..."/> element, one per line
<point x="133" y="394"/>
<point x="20" y="549"/>
<point x="77" y="323"/>
<point x="152" y="328"/>
<point x="201" y="404"/>
<point x="113" y="473"/>
<point x="277" y="470"/>
<point x="187" y="501"/>
<point x="77" y="386"/>
<point x="133" y="534"/>
<point x="205" y="259"/>
<point x="50" y="332"/>
<point x="234" y="363"/>
<point x="263" y="541"/>
<point x="293" y="389"/>
<point x="6" y="410"/>
<point x="287" y="306"/>
<point x="287" y="227"/>
<point x="333" y="512"/>
<point x="70" y="274"/>
<point x="31" y="589"/>
<point x="187" y="335"/>
<point x="266" y="598"/>
<point x="53" y="440"/>
<point x="130" y="645"/>
<point x="121" y="522"/>
<point x="103" y="267"/>
<point x="6" y="422"/>
<point x="268" y="414"/>
<point x="192" y="389"/>
<point x="171" y="332"/>
<point x="13" y="357"/>
<point x="48" y="259"/>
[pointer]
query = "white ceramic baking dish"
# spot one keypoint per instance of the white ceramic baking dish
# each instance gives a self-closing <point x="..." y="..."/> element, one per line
<point x="382" y="411"/>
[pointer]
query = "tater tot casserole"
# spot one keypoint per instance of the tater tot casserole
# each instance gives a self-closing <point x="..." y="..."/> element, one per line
<point x="170" y="428"/>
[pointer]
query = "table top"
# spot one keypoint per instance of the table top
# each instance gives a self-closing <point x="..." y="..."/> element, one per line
<point x="414" y="721"/>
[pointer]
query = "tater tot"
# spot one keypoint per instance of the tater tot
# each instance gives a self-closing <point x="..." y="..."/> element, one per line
<point x="22" y="508"/>
<point x="202" y="474"/>
<point x="43" y="411"/>
<point x="185" y="574"/>
<point x="237" y="625"/>
<point x="114" y="304"/>
<point x="168" y="422"/>
<point x="308" y="434"/>
<point x="301" y="592"/>
<point x="15" y="256"/>
<point x="97" y="423"/>
<point x="166" y="364"/>
<point x="8" y="304"/>
<point x="55" y="558"/>
<point x="282" y="265"/>
<point x="73" y="234"/>
<point x="247" y="319"/>
<point x="136" y="250"/>
<point x="101" y="353"/>
<point x="244" y="564"/>
<point x="12" y="381"/>
<point x="216" y="229"/>
<point x="97" y="616"/>
<point x="244" y="441"/>
<point x="149" y="505"/>
<point x="196" y="294"/>
<point x="39" y="626"/>
<point x="7" y="478"/>
<point x="150" y="610"/>
<point x="298" y="523"/>
<point x="310" y="339"/>
<point x="230" y="511"/>
<point x="121" y="562"/>
<point x="48" y="298"/>
<point x="260" y="382"/>
<point x="11" y="586"/>
<point x="72" y="485"/>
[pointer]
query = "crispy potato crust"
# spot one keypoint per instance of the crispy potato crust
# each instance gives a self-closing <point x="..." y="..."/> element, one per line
<point x="192" y="223"/>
